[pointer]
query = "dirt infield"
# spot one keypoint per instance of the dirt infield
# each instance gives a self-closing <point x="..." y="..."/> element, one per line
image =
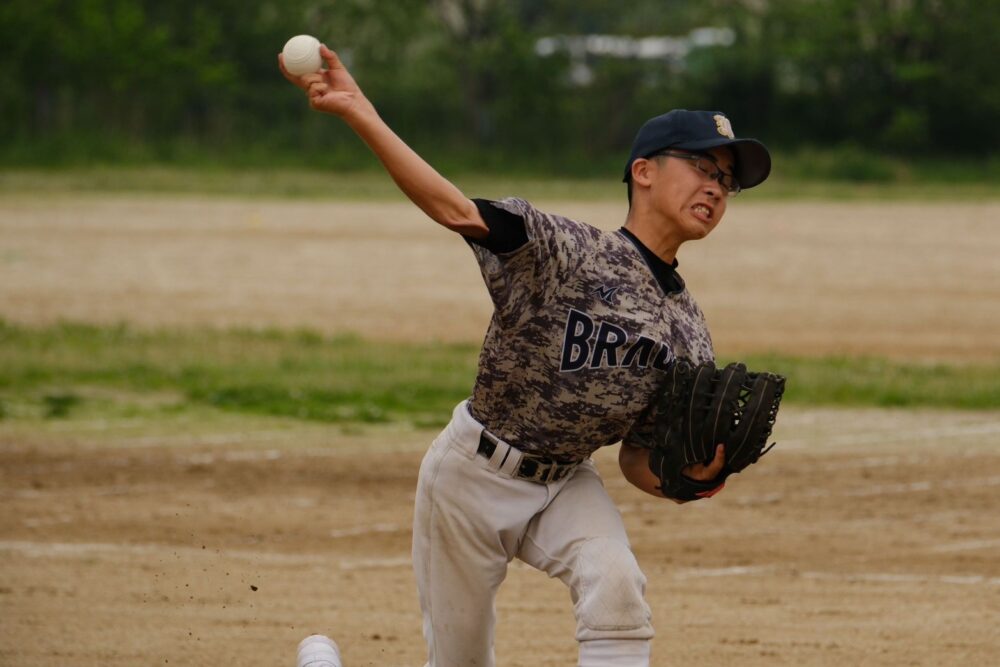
<point x="868" y="537"/>
<point x="915" y="280"/>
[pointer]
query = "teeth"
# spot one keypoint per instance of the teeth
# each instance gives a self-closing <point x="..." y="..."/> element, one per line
<point x="702" y="209"/>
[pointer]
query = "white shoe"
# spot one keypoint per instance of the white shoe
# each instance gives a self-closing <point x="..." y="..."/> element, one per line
<point x="318" y="651"/>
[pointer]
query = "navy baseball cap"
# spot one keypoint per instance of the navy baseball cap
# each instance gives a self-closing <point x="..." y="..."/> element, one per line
<point x="699" y="131"/>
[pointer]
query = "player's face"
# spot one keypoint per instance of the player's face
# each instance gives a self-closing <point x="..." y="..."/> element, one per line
<point x="689" y="194"/>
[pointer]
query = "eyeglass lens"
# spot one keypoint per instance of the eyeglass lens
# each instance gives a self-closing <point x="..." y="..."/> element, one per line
<point x="713" y="171"/>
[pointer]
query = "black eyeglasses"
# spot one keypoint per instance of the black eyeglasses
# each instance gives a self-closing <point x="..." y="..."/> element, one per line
<point x="707" y="165"/>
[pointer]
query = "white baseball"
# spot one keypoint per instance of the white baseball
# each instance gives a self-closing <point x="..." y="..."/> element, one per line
<point x="301" y="55"/>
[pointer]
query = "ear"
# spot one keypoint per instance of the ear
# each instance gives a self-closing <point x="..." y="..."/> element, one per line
<point x="643" y="171"/>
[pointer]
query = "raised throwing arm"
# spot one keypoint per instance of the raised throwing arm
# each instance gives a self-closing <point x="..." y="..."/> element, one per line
<point x="334" y="91"/>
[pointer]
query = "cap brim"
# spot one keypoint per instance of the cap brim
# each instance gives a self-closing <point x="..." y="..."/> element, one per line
<point x="752" y="159"/>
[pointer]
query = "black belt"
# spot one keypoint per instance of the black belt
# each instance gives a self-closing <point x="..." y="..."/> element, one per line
<point x="533" y="468"/>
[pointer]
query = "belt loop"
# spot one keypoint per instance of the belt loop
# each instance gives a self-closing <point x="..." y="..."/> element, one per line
<point x="550" y="474"/>
<point x="513" y="460"/>
<point x="500" y="450"/>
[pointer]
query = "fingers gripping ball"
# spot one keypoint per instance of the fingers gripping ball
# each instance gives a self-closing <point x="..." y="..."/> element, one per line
<point x="701" y="407"/>
<point x="301" y="55"/>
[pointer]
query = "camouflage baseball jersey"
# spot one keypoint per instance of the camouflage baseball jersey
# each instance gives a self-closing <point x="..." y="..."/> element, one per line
<point x="579" y="340"/>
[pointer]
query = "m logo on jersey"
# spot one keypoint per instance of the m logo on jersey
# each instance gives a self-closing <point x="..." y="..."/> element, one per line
<point x="606" y="294"/>
<point x="610" y="346"/>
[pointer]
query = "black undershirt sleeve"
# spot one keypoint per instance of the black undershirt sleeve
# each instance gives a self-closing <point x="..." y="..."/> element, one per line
<point x="507" y="232"/>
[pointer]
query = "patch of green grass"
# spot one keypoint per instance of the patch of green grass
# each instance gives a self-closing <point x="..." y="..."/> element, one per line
<point x="299" y="374"/>
<point x="839" y="175"/>
<point x="58" y="405"/>
<point x="286" y="183"/>
<point x="866" y="381"/>
<point x="117" y="373"/>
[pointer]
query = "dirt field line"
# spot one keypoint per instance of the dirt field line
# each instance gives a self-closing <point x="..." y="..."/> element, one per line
<point x="74" y="550"/>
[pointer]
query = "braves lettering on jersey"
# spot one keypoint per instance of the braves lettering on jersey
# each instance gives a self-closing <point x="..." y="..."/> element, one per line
<point x="579" y="340"/>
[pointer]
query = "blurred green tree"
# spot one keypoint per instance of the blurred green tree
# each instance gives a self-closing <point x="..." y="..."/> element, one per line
<point x="906" y="75"/>
<point x="464" y="80"/>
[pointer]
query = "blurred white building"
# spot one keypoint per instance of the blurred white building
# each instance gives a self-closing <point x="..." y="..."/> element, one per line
<point x="672" y="50"/>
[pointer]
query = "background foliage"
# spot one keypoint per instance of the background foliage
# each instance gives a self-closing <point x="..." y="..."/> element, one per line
<point x="139" y="81"/>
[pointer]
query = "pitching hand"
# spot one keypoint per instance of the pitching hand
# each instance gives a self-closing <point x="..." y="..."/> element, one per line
<point x="331" y="90"/>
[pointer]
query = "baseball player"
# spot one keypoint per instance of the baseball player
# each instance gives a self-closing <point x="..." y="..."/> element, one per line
<point x="585" y="324"/>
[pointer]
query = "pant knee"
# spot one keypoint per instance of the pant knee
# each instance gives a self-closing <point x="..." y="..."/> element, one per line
<point x="609" y="590"/>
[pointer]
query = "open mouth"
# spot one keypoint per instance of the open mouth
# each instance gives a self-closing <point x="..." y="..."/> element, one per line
<point x="702" y="211"/>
